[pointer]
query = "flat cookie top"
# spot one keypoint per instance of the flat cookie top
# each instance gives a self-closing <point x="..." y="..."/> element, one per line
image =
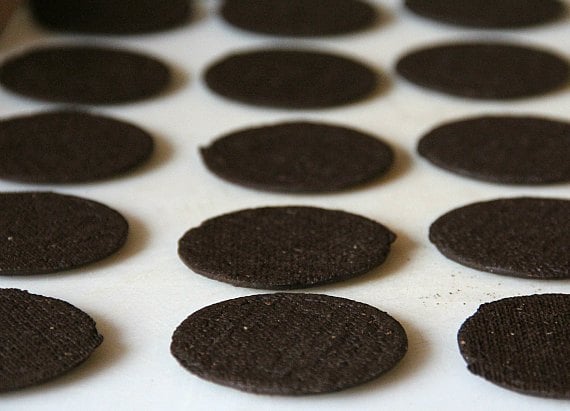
<point x="42" y="338"/>
<point x="84" y="75"/>
<point x="289" y="344"/>
<point x="510" y="150"/>
<point x="69" y="147"/>
<point x="489" y="13"/>
<point x="299" y="17"/>
<point x="521" y="343"/>
<point x="485" y="70"/>
<point x="291" y="79"/>
<point x="47" y="232"/>
<point x="285" y="247"/>
<point x="522" y="237"/>
<point x="298" y="157"/>
<point x="111" y="16"/>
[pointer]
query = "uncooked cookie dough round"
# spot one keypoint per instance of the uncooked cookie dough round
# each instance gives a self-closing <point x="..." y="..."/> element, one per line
<point x="69" y="147"/>
<point x="42" y="338"/>
<point x="285" y="247"/>
<point x="290" y="78"/>
<point x="485" y="70"/>
<point x="522" y="237"/>
<point x="298" y="157"/>
<point x="84" y="75"/>
<point x="47" y="232"/>
<point x="521" y="343"/>
<point x="289" y="344"/>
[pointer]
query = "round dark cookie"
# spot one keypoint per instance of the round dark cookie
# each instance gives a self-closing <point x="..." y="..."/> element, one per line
<point x="111" y="16"/>
<point x="522" y="237"/>
<point x="285" y="247"/>
<point x="521" y="343"/>
<point x="84" y="75"/>
<point x="291" y="78"/>
<point x="69" y="147"/>
<point x="289" y="344"/>
<point x="298" y="157"/>
<point x="47" y="232"/>
<point x="42" y="338"/>
<point x="485" y="70"/>
<point x="508" y="149"/>
<point x="299" y="17"/>
<point x="489" y="13"/>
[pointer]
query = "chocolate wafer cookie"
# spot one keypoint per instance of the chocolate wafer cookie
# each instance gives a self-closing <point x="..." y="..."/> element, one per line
<point x="48" y="232"/>
<point x="522" y="237"/>
<point x="303" y="18"/>
<point x="502" y="149"/>
<point x="111" y="16"/>
<point x="485" y="70"/>
<point x="489" y="13"/>
<point x="289" y="344"/>
<point x="521" y="343"/>
<point x="84" y="75"/>
<point x="285" y="247"/>
<point x="41" y="338"/>
<point x="69" y="147"/>
<point x="298" y="157"/>
<point x="290" y="78"/>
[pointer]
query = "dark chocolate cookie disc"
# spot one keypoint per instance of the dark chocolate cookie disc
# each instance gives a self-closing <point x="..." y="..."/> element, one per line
<point x="521" y="343"/>
<point x="489" y="13"/>
<point x="111" y="16"/>
<point x="502" y="149"/>
<point x="299" y="17"/>
<point x="84" y="75"/>
<point x="47" y="232"/>
<point x="69" y="147"/>
<point x="291" y="78"/>
<point x="41" y="338"/>
<point x="285" y="247"/>
<point x="485" y="70"/>
<point x="522" y="237"/>
<point x="298" y="157"/>
<point x="289" y="344"/>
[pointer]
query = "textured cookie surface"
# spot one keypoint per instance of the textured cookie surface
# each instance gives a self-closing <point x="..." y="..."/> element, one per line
<point x="69" y="147"/>
<point x="48" y="232"/>
<point x="489" y="13"/>
<point x="291" y="78"/>
<point x="485" y="70"/>
<point x="111" y="16"/>
<point x="84" y="74"/>
<point x="42" y="338"/>
<point x="511" y="150"/>
<point x="289" y="344"/>
<point x="299" y="17"/>
<point x="285" y="247"/>
<point x="521" y="343"/>
<point x="522" y="237"/>
<point x="298" y="157"/>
